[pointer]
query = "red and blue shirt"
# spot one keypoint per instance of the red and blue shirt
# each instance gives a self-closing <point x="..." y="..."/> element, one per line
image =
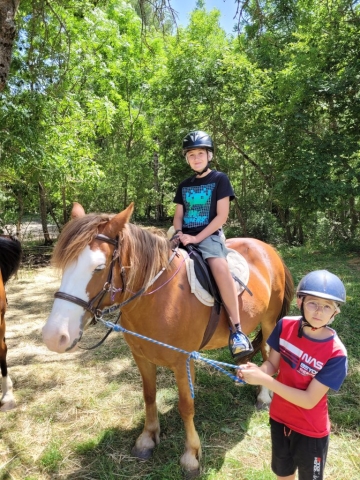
<point x="302" y="359"/>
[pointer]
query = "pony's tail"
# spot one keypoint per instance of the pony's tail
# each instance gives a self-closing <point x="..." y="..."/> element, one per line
<point x="288" y="294"/>
<point x="285" y="308"/>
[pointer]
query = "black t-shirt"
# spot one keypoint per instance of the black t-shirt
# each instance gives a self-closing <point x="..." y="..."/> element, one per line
<point x="199" y="198"/>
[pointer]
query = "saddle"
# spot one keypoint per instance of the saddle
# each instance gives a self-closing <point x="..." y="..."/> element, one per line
<point x="203" y="273"/>
<point x="210" y="294"/>
<point x="207" y="281"/>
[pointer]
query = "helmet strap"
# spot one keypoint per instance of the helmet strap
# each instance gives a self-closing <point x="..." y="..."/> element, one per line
<point x="305" y="323"/>
<point x="203" y="170"/>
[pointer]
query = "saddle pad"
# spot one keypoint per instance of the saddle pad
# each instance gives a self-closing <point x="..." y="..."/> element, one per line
<point x="238" y="267"/>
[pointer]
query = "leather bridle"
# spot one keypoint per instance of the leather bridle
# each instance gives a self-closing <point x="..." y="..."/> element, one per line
<point x="97" y="299"/>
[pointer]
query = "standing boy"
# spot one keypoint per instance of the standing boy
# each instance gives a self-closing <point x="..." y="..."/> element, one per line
<point x="202" y="207"/>
<point x="309" y="358"/>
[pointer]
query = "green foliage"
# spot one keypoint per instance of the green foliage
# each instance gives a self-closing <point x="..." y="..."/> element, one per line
<point x="95" y="112"/>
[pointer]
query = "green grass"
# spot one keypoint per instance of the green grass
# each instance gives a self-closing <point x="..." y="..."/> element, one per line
<point x="52" y="457"/>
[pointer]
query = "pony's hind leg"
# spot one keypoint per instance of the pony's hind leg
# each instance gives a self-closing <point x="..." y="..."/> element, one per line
<point x="150" y="436"/>
<point x="263" y="394"/>
<point x="190" y="458"/>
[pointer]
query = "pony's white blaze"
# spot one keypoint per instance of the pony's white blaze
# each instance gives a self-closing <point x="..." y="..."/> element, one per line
<point x="63" y="328"/>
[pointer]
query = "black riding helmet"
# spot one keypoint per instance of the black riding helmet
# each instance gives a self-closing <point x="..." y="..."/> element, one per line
<point x="198" y="139"/>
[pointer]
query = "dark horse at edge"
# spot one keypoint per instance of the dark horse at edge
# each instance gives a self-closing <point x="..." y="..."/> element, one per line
<point x="10" y="258"/>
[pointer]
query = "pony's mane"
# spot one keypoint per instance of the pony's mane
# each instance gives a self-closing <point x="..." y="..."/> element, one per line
<point x="75" y="236"/>
<point x="146" y="250"/>
<point x="10" y="256"/>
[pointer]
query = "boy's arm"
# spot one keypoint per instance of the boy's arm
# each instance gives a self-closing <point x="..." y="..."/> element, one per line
<point x="178" y="217"/>
<point x="269" y="367"/>
<point x="302" y="398"/>
<point x="222" y="212"/>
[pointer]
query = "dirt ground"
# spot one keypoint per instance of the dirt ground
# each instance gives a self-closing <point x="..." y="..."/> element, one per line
<point x="30" y="298"/>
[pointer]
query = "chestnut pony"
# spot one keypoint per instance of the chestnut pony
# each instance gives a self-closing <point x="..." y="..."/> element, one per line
<point x="10" y="257"/>
<point x="106" y="260"/>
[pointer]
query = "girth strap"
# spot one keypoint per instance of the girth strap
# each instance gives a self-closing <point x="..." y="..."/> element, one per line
<point x="212" y="324"/>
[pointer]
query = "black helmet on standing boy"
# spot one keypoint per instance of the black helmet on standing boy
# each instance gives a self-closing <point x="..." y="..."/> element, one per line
<point x="197" y="139"/>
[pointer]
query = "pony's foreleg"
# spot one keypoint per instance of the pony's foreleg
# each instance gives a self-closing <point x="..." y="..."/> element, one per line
<point x="7" y="401"/>
<point x="264" y="395"/>
<point x="150" y="436"/>
<point x="190" y="459"/>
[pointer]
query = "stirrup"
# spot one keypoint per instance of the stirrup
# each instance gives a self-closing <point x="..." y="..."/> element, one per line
<point x="245" y="348"/>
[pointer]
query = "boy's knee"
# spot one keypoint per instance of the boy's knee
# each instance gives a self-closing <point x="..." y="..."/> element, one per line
<point x="218" y="265"/>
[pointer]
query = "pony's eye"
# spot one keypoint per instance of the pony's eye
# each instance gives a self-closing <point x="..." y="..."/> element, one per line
<point x="99" y="268"/>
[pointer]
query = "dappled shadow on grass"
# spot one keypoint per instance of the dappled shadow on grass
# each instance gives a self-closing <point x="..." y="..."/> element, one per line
<point x="108" y="456"/>
<point x="220" y="426"/>
<point x="222" y="415"/>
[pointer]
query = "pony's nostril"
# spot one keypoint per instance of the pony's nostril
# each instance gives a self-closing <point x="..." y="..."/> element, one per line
<point x="63" y="340"/>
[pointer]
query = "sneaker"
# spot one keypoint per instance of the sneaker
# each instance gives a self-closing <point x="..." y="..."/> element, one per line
<point x="239" y="345"/>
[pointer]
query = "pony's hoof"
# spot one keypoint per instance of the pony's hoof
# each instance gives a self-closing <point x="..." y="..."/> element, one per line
<point x="143" y="454"/>
<point x="7" y="406"/>
<point x="190" y="474"/>
<point x="261" y="406"/>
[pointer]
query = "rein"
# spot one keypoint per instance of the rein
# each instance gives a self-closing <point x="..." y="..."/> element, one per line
<point x="96" y="311"/>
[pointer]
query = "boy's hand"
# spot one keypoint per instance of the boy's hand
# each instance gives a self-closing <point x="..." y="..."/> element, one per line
<point x="185" y="239"/>
<point x="251" y="374"/>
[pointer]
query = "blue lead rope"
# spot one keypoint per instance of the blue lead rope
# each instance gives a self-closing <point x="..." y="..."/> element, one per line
<point x="191" y="355"/>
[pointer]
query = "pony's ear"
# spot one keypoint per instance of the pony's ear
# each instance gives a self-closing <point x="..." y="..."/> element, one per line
<point x="117" y="223"/>
<point x="77" y="210"/>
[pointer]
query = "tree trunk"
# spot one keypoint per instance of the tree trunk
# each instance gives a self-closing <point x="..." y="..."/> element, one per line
<point x="156" y="185"/>
<point x="43" y="214"/>
<point x="240" y="217"/>
<point x="19" y="215"/>
<point x="63" y="198"/>
<point x="8" y="10"/>
<point x="354" y="220"/>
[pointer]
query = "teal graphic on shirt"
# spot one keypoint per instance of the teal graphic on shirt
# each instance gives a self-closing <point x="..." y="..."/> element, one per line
<point x="197" y="201"/>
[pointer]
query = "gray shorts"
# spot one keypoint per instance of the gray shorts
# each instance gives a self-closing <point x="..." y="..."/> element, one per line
<point x="213" y="246"/>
